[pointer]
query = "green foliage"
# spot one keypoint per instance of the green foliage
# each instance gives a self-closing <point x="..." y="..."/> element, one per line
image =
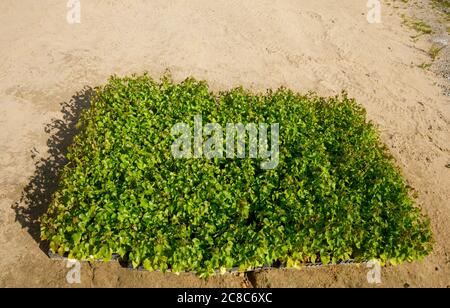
<point x="336" y="193"/>
<point x="434" y="51"/>
<point x="418" y="25"/>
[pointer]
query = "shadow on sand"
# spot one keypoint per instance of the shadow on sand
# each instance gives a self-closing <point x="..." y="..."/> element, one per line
<point x="37" y="194"/>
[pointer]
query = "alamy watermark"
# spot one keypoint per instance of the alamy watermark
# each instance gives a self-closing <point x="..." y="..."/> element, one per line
<point x="74" y="13"/>
<point x="374" y="13"/>
<point x="374" y="275"/>
<point x="74" y="274"/>
<point x="192" y="145"/>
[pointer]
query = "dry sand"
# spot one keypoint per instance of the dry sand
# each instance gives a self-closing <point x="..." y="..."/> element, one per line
<point x="47" y="65"/>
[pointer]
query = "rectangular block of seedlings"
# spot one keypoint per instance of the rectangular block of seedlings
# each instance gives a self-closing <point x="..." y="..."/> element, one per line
<point x="173" y="176"/>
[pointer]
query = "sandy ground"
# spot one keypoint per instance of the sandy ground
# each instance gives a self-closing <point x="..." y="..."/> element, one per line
<point x="47" y="68"/>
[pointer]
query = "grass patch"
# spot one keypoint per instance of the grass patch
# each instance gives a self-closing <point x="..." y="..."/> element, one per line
<point x="416" y="24"/>
<point x="434" y="51"/>
<point x="442" y="5"/>
<point x="335" y="195"/>
<point x="424" y="65"/>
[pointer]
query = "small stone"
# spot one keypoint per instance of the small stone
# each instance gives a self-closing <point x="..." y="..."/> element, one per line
<point x="406" y="285"/>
